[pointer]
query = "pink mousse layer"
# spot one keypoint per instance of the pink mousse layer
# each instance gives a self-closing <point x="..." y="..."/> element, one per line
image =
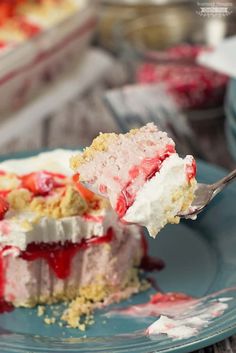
<point x="27" y="283"/>
<point x="129" y="161"/>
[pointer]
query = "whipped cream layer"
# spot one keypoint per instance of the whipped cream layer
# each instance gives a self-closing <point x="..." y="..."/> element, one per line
<point x="56" y="161"/>
<point x="16" y="232"/>
<point x="163" y="196"/>
<point x="18" y="229"/>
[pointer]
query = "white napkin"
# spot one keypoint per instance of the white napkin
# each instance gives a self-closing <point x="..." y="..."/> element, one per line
<point x="222" y="58"/>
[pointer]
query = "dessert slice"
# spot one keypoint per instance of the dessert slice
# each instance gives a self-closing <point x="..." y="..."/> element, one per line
<point x="58" y="240"/>
<point x="141" y="174"/>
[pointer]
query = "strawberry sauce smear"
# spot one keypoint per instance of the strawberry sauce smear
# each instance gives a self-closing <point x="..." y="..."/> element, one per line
<point x="149" y="263"/>
<point x="5" y="307"/>
<point x="144" y="171"/>
<point x="159" y="304"/>
<point x="59" y="256"/>
<point x="43" y="182"/>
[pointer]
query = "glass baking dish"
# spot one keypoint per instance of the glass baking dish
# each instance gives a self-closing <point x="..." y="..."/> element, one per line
<point x="38" y="62"/>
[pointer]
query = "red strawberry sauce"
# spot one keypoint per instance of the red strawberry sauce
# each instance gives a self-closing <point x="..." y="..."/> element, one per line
<point x="147" y="169"/>
<point x="5" y="307"/>
<point x="149" y="263"/>
<point x="59" y="257"/>
<point x="157" y="305"/>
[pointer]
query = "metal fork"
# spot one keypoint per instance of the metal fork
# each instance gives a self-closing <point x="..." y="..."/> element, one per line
<point x="205" y="193"/>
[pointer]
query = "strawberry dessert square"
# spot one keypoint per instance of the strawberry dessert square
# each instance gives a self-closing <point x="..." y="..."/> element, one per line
<point x="60" y="241"/>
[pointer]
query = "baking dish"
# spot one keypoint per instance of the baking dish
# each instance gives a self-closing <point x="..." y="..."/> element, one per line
<point x="29" y="67"/>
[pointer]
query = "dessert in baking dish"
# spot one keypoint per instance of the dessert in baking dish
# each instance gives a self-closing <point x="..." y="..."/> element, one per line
<point x="40" y="41"/>
<point x="23" y="19"/>
<point x="58" y="240"/>
<point x="141" y="174"/>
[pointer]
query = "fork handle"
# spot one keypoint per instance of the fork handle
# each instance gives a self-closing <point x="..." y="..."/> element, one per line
<point x="219" y="185"/>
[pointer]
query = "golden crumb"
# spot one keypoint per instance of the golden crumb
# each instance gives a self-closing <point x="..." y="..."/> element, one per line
<point x="93" y="292"/>
<point x="174" y="220"/>
<point x="49" y="320"/>
<point x="9" y="181"/>
<point x="72" y="203"/>
<point x="65" y="201"/>
<point x="79" y="312"/>
<point x="46" y="206"/>
<point x="81" y="327"/>
<point x="133" y="131"/>
<point x="78" y="309"/>
<point x="41" y="310"/>
<point x="10" y="31"/>
<point x="89" y="320"/>
<point x="189" y="193"/>
<point x="19" y="199"/>
<point x="57" y="206"/>
<point x="99" y="144"/>
<point x="186" y="194"/>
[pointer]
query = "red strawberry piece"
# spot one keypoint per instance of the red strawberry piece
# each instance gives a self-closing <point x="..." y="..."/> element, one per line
<point x="84" y="192"/>
<point x="4" y="193"/>
<point x="58" y="179"/>
<point x="169" y="297"/>
<point x="121" y="206"/>
<point x="191" y="170"/>
<point x="124" y="201"/>
<point x="4" y="207"/>
<point x="39" y="183"/>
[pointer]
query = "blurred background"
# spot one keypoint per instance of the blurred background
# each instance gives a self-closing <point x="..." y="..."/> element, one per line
<point x="72" y="68"/>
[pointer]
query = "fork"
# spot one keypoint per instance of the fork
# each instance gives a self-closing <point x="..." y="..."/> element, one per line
<point x="205" y="193"/>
